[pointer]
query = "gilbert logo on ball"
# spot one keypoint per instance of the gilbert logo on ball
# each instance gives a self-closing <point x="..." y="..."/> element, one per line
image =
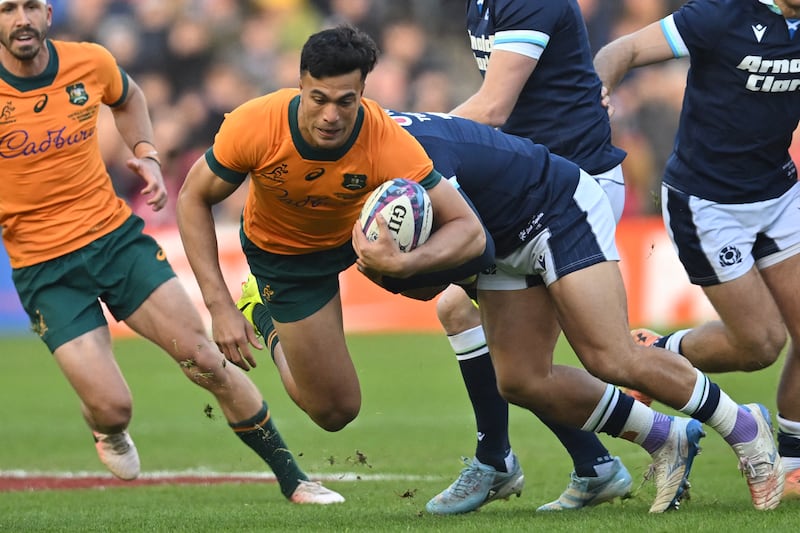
<point x="406" y="206"/>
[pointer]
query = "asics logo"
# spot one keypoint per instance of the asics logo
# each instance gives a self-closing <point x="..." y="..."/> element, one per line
<point x="314" y="174"/>
<point x="40" y="103"/>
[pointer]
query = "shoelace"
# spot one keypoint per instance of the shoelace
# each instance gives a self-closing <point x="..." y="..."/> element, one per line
<point x="313" y="487"/>
<point x="119" y="444"/>
<point x="466" y="480"/>
<point x="756" y="469"/>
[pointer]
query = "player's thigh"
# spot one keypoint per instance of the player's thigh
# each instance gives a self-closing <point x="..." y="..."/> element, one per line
<point x="317" y="355"/>
<point x="592" y="310"/>
<point x="521" y="331"/>
<point x="88" y="363"/>
<point x="782" y="280"/>
<point x="169" y="318"/>
<point x="746" y="307"/>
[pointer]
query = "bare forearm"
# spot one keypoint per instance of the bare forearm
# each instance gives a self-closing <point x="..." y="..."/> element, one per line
<point x="475" y="108"/>
<point x="133" y="122"/>
<point x="454" y="244"/>
<point x="197" y="230"/>
<point x="644" y="47"/>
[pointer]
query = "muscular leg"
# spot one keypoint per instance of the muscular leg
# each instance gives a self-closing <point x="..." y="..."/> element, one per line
<point x="782" y="282"/>
<point x="742" y="339"/>
<point x="106" y="401"/>
<point x="169" y="319"/>
<point x="592" y="310"/>
<point x="314" y="363"/>
<point x="457" y="314"/>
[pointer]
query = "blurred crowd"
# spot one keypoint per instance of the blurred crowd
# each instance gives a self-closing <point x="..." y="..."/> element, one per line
<point x="198" y="59"/>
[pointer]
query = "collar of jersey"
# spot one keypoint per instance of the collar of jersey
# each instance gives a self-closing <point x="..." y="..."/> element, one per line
<point x="36" y="82"/>
<point x="307" y="151"/>
<point x="771" y="5"/>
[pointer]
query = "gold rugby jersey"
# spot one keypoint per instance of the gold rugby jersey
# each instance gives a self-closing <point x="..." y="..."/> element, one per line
<point x="302" y="199"/>
<point x="55" y="193"/>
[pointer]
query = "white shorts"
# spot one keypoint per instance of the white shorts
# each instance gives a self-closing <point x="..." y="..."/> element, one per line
<point x="580" y="237"/>
<point x="613" y="184"/>
<point x="721" y="242"/>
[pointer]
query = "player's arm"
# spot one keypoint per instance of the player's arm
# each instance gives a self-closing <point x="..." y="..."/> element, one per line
<point x="644" y="47"/>
<point x="201" y="190"/>
<point x="506" y="75"/>
<point x="132" y="119"/>
<point x="426" y="285"/>
<point x="458" y="237"/>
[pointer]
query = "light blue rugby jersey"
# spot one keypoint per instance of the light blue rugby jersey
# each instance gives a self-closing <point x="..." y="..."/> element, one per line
<point x="517" y="187"/>
<point x="742" y="100"/>
<point x="559" y="104"/>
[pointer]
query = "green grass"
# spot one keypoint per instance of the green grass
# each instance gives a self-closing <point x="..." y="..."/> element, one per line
<point x="414" y="425"/>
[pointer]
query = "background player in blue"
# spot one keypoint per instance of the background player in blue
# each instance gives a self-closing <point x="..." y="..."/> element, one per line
<point x="556" y="263"/>
<point x="730" y="197"/>
<point x="538" y="83"/>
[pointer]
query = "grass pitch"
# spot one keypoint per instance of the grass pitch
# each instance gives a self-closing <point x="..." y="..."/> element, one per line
<point x="404" y="447"/>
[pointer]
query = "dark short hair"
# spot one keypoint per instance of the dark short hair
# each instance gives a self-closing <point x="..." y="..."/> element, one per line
<point x="337" y="51"/>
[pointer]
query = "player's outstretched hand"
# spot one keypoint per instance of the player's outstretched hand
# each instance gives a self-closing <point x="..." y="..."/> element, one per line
<point x="150" y="172"/>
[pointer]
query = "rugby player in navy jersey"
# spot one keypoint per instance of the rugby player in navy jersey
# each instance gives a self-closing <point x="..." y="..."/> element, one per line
<point x="556" y="264"/>
<point x="538" y="83"/>
<point x="730" y="197"/>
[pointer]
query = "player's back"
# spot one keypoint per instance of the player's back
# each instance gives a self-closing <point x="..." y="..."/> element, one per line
<point x="509" y="179"/>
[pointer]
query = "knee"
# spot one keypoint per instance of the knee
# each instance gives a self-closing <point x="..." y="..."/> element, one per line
<point x="764" y="351"/>
<point x="607" y="369"/>
<point x="456" y="312"/>
<point x="207" y="374"/>
<point x="334" y="417"/>
<point x="516" y="389"/>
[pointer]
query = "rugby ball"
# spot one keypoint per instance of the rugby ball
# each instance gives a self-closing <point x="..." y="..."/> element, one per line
<point x="406" y="206"/>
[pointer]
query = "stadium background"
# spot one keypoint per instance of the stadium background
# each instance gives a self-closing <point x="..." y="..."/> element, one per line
<point x="197" y="59"/>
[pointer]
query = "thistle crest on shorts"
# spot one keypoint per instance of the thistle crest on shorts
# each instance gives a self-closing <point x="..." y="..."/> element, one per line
<point x="729" y="256"/>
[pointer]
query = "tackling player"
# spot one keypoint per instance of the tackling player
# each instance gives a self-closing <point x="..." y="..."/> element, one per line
<point x="556" y="264"/>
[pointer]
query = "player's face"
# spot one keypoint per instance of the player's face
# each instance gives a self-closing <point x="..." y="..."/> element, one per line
<point x="23" y="27"/>
<point x="328" y="108"/>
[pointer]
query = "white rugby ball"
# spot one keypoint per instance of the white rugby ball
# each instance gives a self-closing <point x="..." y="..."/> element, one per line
<point x="406" y="206"/>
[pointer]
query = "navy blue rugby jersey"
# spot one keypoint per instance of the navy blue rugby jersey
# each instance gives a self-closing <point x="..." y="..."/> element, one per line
<point x="559" y="106"/>
<point x="516" y="186"/>
<point x="741" y="104"/>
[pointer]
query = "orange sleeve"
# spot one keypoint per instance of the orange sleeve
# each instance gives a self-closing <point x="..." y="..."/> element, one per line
<point x="248" y="134"/>
<point x="109" y="75"/>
